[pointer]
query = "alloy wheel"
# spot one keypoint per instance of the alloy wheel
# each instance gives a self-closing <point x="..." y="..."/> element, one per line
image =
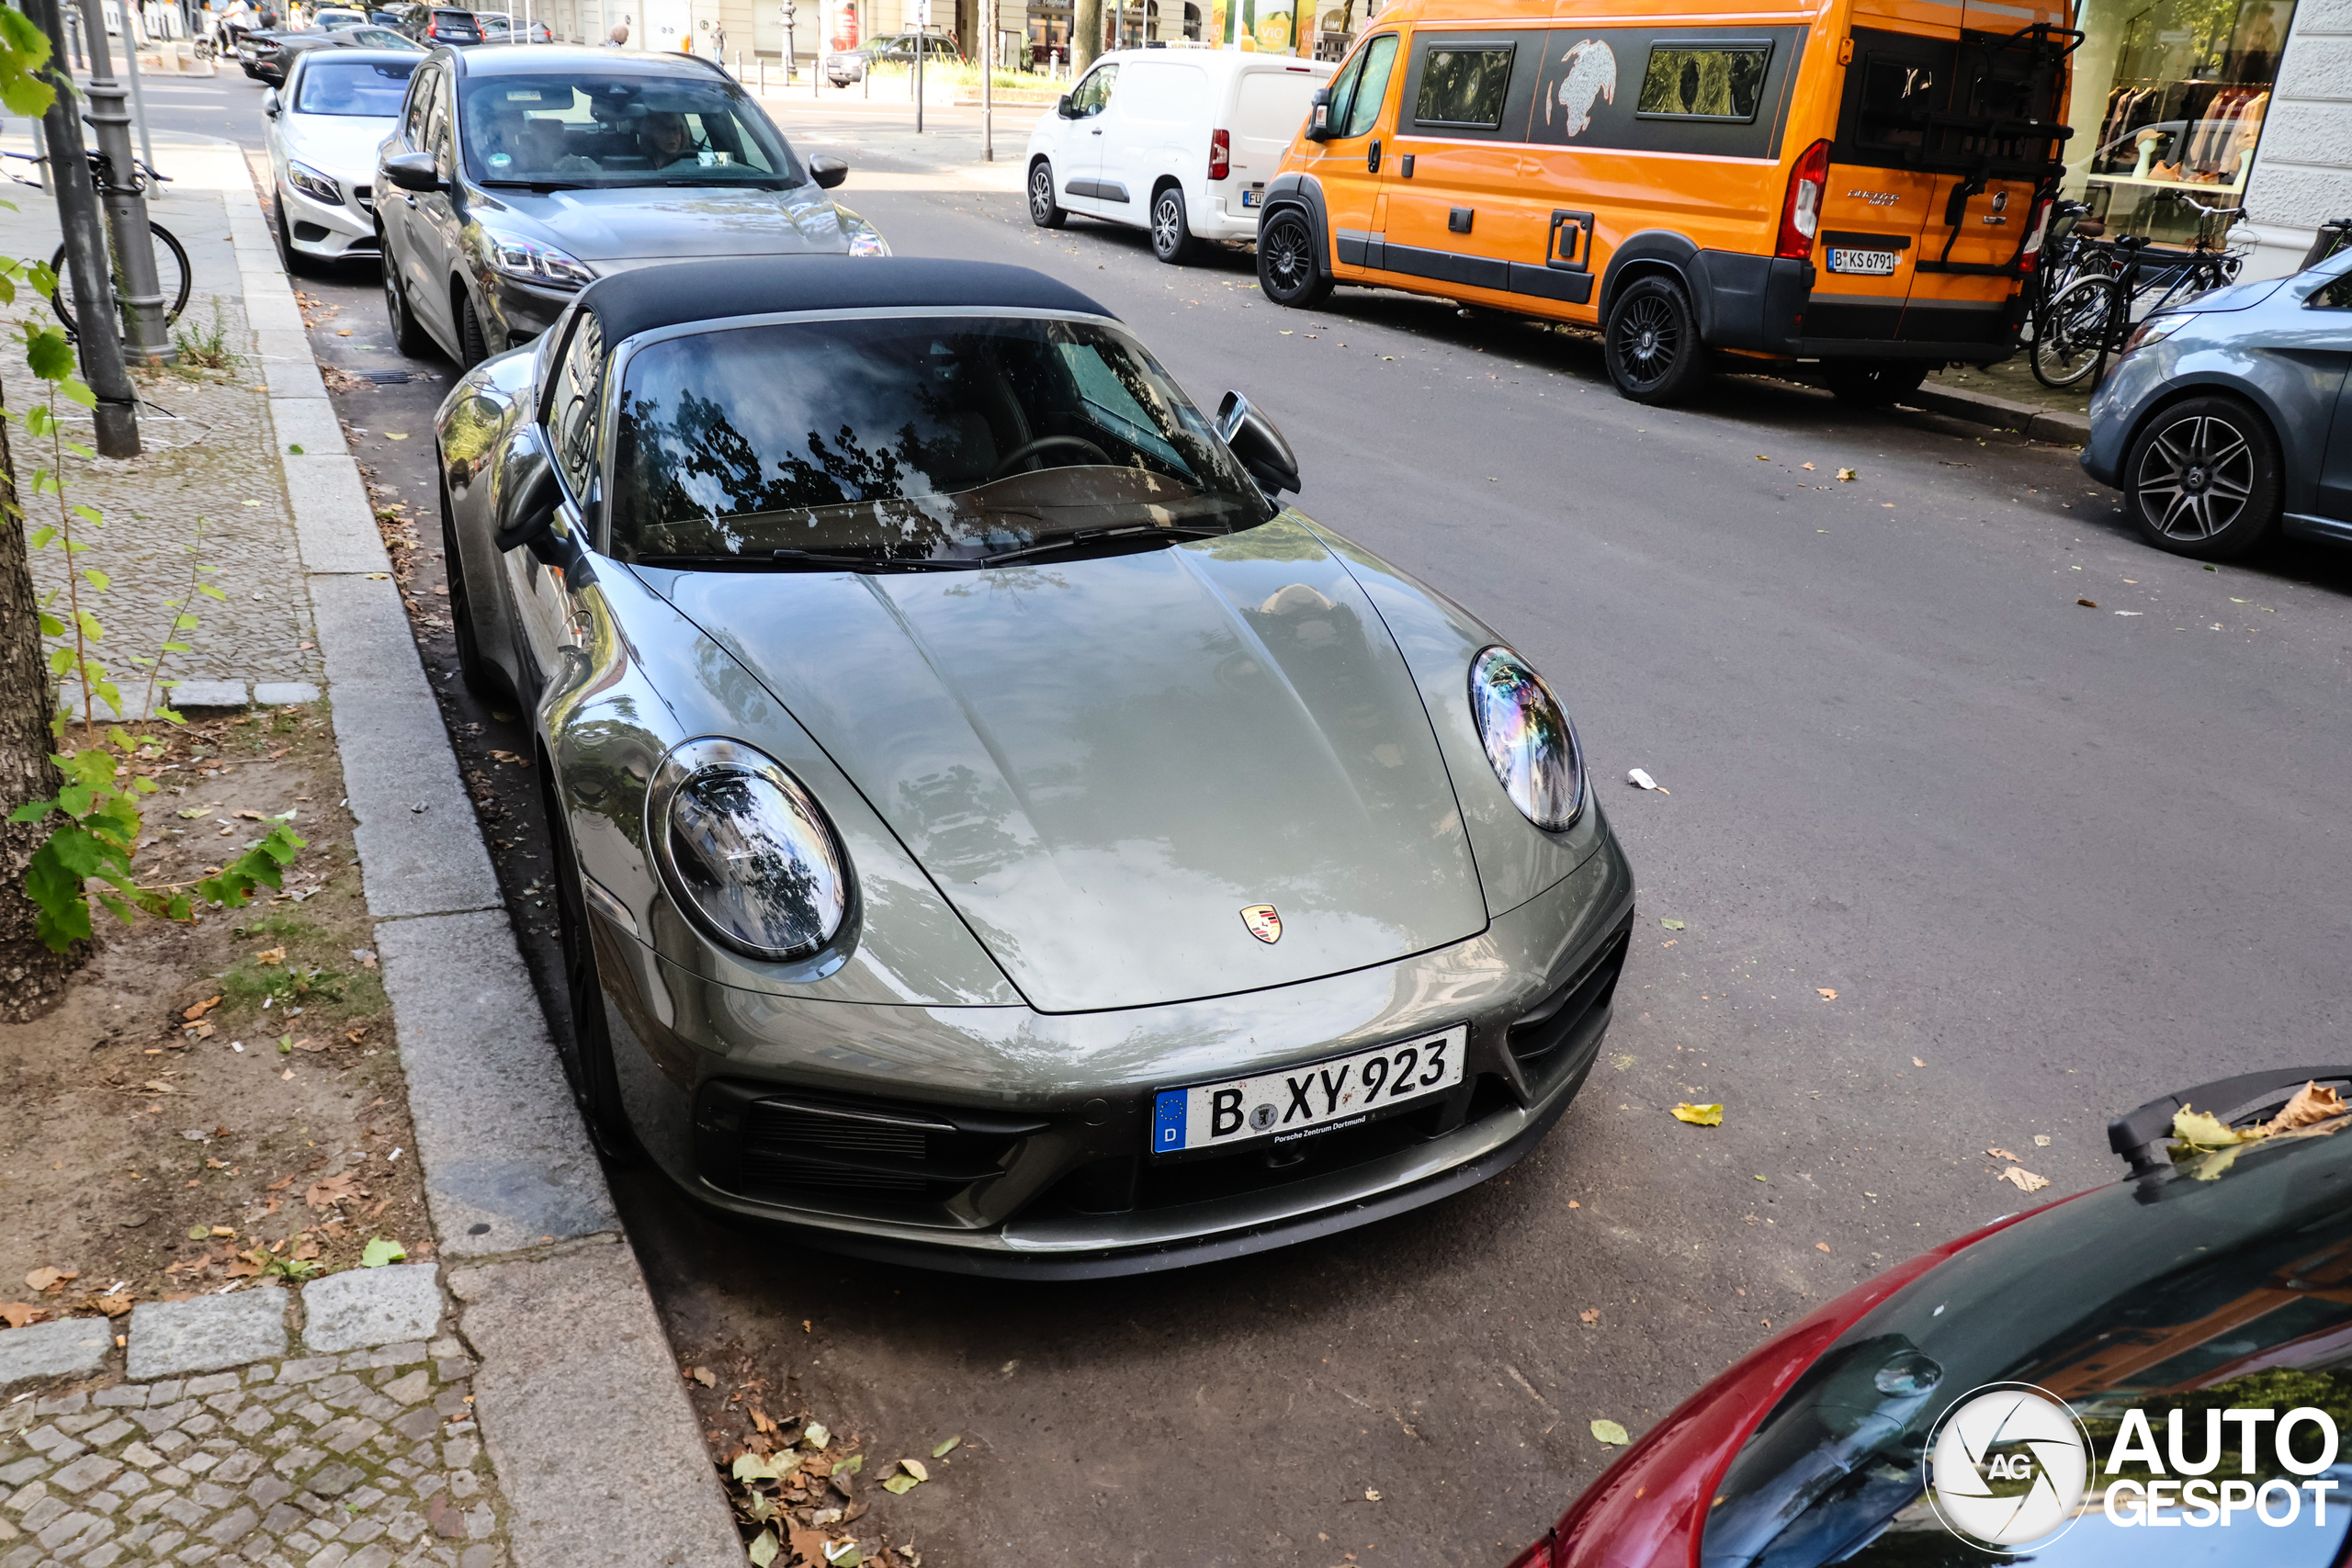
<point x="2196" y="478"/>
<point x="1041" y="194"/>
<point x="1286" y="253"/>
<point x="1648" y="339"/>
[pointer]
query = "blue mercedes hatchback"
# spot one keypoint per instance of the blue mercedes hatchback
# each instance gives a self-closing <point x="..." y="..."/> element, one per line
<point x="2228" y="417"/>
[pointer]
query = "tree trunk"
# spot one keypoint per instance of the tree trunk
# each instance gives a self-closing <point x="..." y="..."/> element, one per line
<point x="1085" y="34"/>
<point x="32" y="978"/>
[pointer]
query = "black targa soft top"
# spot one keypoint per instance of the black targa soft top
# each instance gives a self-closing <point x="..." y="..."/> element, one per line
<point x="646" y="297"/>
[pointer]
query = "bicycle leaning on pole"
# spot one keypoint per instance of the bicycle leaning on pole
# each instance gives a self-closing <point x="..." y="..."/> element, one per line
<point x="170" y="256"/>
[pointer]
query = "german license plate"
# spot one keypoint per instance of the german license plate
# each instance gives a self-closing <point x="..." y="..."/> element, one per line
<point x="1292" y="1103"/>
<point x="1870" y="264"/>
<point x="1253" y="197"/>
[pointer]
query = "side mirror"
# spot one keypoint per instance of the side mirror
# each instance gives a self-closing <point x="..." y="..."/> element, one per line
<point x="523" y="492"/>
<point x="269" y="105"/>
<point x="828" y="172"/>
<point x="1319" y="116"/>
<point x="414" y="171"/>
<point x="1061" y="107"/>
<point x="1261" y="447"/>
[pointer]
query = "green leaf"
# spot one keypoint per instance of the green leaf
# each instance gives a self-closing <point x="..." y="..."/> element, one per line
<point x="90" y="514"/>
<point x="175" y="648"/>
<point x="294" y="451"/>
<point x="899" y="1486"/>
<point x="1671" y="925"/>
<point x="49" y="355"/>
<point x="851" y="1465"/>
<point x="764" y="1550"/>
<point x="944" y="1449"/>
<point x="32" y="811"/>
<point x="76" y="392"/>
<point x="379" y="1252"/>
<point x="41" y="536"/>
<point x="96" y="579"/>
<point x="1610" y="1432"/>
<point x="209" y="591"/>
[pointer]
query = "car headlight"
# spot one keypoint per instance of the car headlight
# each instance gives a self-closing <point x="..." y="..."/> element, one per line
<point x="1528" y="740"/>
<point x="2155" y="329"/>
<point x="535" y="263"/>
<point x="309" y="181"/>
<point x="864" y="239"/>
<point x="748" y="854"/>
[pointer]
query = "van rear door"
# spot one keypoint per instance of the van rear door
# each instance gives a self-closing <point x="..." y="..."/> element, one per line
<point x="1875" y="208"/>
<point x="1269" y="103"/>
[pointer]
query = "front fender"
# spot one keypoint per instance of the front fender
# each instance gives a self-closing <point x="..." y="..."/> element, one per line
<point x="646" y="678"/>
<point x="1304" y="192"/>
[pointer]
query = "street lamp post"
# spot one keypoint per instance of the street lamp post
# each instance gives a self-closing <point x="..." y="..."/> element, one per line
<point x="791" y="38"/>
<point x="134" y="244"/>
<point x="922" y="47"/>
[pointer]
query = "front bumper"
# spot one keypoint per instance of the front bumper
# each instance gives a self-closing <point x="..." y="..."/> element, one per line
<point x="1053" y="1181"/>
<point x="523" y="310"/>
<point x="331" y="231"/>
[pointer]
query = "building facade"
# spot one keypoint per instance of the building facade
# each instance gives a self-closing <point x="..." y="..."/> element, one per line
<point x="2180" y="105"/>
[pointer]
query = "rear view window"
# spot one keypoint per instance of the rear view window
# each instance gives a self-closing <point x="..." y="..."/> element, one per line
<point x="1705" y="81"/>
<point x="1463" y="86"/>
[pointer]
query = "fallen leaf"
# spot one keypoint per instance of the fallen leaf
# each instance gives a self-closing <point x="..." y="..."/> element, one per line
<point x="2312" y="1104"/>
<point x="2023" y="1179"/>
<point x="851" y="1465"/>
<point x="511" y="759"/>
<point x="280" y="1184"/>
<point x="190" y="813"/>
<point x="229" y="1231"/>
<point x="2087" y="603"/>
<point x="396" y="436"/>
<point x="334" y="1190"/>
<point x="2042" y="1140"/>
<point x="200" y="1009"/>
<point x="253" y="815"/>
<point x="1808" y="468"/>
<point x="1847" y="475"/>
<point x="270" y="955"/>
<point x="380" y="1251"/>
<point x="1371" y="1496"/>
<point x="1826" y="994"/>
<point x="49" y="1279"/>
<point x="944" y="1449"/>
<point x="1699" y="1115"/>
<point x="305" y="1251"/>
<point x="16" y="1315"/>
<point x="1821" y="1246"/>
<point x="914" y="1467"/>
<point x="704" y="1376"/>
<point x="2199" y="1131"/>
<point x="761" y="1421"/>
<point x="815" y="1435"/>
<point x="1590" y="1314"/>
<point x="114" y="1306"/>
<point x="1610" y="1432"/>
<point x="764" y="1550"/>
<point x="1917" y="1063"/>
<point x="899" y="1486"/>
<point x="808" y="1545"/>
<point x="1670" y="924"/>
<point x="2002" y="1153"/>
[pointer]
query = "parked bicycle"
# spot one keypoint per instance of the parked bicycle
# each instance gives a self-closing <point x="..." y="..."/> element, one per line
<point x="2118" y="283"/>
<point x="171" y="257"/>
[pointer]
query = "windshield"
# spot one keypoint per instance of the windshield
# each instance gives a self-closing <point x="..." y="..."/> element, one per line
<point x="353" y="86"/>
<point x="625" y="131"/>
<point x="926" y="439"/>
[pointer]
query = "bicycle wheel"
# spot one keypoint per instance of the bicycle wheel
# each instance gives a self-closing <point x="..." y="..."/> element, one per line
<point x="2070" y="342"/>
<point x="170" y="271"/>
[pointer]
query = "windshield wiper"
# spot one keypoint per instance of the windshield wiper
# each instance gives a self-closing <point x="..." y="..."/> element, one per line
<point x="799" y="560"/>
<point x="1079" y="537"/>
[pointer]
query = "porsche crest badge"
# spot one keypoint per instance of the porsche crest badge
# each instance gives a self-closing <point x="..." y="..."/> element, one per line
<point x="1264" y="923"/>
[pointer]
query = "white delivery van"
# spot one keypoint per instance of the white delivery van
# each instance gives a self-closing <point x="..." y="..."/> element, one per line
<point x="1180" y="142"/>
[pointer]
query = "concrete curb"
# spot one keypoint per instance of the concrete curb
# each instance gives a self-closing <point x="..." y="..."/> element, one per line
<point x="2033" y="423"/>
<point x="594" y="1441"/>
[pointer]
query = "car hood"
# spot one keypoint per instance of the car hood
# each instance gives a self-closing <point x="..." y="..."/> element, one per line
<point x="342" y="145"/>
<point x="2231" y="297"/>
<point x="1102" y="763"/>
<point x="657" y="223"/>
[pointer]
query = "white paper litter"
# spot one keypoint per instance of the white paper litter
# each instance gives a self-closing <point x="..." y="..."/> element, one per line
<point x="1640" y="780"/>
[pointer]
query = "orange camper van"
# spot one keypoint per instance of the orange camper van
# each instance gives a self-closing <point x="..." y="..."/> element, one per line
<point x="1864" y="183"/>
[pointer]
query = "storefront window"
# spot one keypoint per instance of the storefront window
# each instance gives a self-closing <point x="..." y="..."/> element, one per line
<point x="2169" y="99"/>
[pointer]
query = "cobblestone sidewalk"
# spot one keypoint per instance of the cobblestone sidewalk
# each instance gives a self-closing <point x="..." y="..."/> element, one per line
<point x="361" y="1459"/>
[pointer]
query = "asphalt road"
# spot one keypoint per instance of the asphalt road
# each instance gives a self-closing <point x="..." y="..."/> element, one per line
<point x="2050" y="858"/>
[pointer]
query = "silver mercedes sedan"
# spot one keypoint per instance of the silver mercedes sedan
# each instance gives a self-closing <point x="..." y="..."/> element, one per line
<point x="992" y="829"/>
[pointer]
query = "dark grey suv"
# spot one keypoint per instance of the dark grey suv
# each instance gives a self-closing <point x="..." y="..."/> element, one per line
<point x="2228" y="417"/>
<point x="517" y="177"/>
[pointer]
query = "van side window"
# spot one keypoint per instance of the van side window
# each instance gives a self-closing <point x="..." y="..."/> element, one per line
<point x="1093" y="94"/>
<point x="1705" y="80"/>
<point x="1463" y="86"/>
<point x="1361" y="110"/>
